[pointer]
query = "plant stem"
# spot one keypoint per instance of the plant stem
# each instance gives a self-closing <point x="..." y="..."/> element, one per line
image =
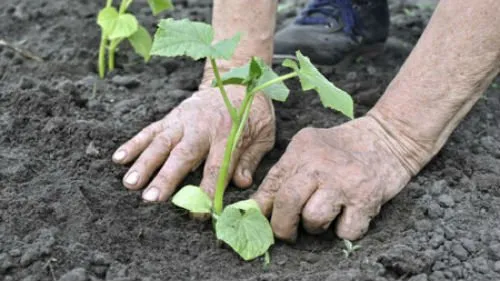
<point x="223" y="171"/>
<point x="244" y="113"/>
<point x="276" y="80"/>
<point x="102" y="56"/>
<point x="229" y="105"/>
<point x="109" y="3"/>
<point x="111" y="53"/>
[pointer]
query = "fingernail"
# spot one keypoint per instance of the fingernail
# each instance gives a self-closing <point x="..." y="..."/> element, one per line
<point x="151" y="194"/>
<point x="120" y="155"/>
<point x="247" y="174"/>
<point x="132" y="178"/>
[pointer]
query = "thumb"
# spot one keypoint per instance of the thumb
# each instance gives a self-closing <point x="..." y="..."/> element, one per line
<point x="249" y="160"/>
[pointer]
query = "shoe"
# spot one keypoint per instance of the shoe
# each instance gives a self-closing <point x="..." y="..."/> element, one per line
<point x="329" y="31"/>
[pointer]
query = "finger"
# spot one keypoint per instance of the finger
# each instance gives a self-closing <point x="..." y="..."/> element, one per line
<point x="272" y="182"/>
<point x="321" y="209"/>
<point x="249" y="161"/>
<point x="211" y="170"/>
<point x="288" y="204"/>
<point x="132" y="148"/>
<point x="186" y="155"/>
<point x="152" y="158"/>
<point x="354" y="222"/>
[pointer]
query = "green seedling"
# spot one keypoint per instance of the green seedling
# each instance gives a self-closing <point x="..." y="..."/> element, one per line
<point x="240" y="225"/>
<point x="118" y="25"/>
<point x="350" y="248"/>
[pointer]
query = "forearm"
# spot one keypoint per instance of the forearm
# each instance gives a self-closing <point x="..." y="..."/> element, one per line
<point x="452" y="65"/>
<point x="256" y="21"/>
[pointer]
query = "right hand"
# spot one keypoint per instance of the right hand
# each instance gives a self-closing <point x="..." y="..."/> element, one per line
<point x="196" y="130"/>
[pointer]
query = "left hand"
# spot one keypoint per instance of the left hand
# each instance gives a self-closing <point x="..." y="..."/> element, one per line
<point x="347" y="172"/>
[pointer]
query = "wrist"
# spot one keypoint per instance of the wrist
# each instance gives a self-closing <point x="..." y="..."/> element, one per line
<point x="412" y="152"/>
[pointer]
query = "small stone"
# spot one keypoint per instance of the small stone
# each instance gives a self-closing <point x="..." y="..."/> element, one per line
<point x="496" y="266"/>
<point x="77" y="274"/>
<point x="420" y="277"/>
<point x="371" y="70"/>
<point x="26" y="83"/>
<point x="437" y="187"/>
<point x="91" y="149"/>
<point x="459" y="252"/>
<point x="351" y="76"/>
<point x="468" y="244"/>
<point x="31" y="278"/>
<point x="434" y="211"/>
<point x="29" y="256"/>
<point x="449" y="233"/>
<point x="437" y="276"/>
<point x="480" y="265"/>
<point x="436" y="241"/>
<point x="423" y="225"/>
<point x="126" y="81"/>
<point x="15" y="253"/>
<point x="5" y="263"/>
<point x="312" y="258"/>
<point x="495" y="251"/>
<point x="268" y="277"/>
<point x="446" y="201"/>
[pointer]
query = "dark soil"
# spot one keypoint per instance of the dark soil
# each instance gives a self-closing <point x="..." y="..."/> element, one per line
<point x="64" y="214"/>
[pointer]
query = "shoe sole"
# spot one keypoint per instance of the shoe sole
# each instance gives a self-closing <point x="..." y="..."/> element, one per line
<point x="368" y="51"/>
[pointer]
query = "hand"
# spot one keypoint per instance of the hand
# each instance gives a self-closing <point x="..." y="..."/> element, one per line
<point x="346" y="172"/>
<point x="195" y="130"/>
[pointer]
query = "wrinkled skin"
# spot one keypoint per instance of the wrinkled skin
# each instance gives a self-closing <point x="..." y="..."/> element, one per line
<point x="345" y="170"/>
<point x="195" y="130"/>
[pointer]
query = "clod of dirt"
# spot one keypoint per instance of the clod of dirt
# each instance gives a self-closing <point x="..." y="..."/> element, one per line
<point x="77" y="274"/>
<point x="495" y="251"/>
<point x="420" y="277"/>
<point x="126" y="81"/>
<point x="26" y="83"/>
<point x="402" y="259"/>
<point x="459" y="251"/>
<point x="5" y="263"/>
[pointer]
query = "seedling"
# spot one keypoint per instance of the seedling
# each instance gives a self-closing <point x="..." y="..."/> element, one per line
<point x="350" y="248"/>
<point x="241" y="225"/>
<point x="118" y="25"/>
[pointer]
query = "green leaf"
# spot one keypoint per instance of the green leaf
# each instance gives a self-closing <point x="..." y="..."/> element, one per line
<point x="277" y="91"/>
<point x="125" y="26"/>
<point x="158" y="6"/>
<point x="248" y="232"/>
<point x="193" y="39"/>
<point x="193" y="199"/>
<point x="290" y="64"/>
<point x="141" y="42"/>
<point x="330" y="95"/>
<point x="242" y="76"/>
<point x="107" y="19"/>
<point x="245" y="205"/>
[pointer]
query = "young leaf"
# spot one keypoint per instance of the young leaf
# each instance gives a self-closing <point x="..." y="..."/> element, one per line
<point x="247" y="232"/>
<point x="245" y="205"/>
<point x="277" y="91"/>
<point x="193" y="199"/>
<point x="141" y="42"/>
<point x="158" y="6"/>
<point x="243" y="76"/>
<point x="193" y="39"/>
<point x="125" y="26"/>
<point x="311" y="79"/>
<point x="107" y="19"/>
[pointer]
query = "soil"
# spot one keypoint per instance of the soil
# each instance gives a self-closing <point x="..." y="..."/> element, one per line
<point x="64" y="214"/>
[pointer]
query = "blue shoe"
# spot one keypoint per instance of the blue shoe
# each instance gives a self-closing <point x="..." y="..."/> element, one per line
<point x="329" y="31"/>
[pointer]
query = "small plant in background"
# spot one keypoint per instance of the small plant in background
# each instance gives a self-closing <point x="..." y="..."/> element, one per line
<point x="240" y="225"/>
<point x="350" y="248"/>
<point x="118" y="25"/>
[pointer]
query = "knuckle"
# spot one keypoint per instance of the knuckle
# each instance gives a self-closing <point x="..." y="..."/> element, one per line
<point x="163" y="140"/>
<point x="187" y="154"/>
